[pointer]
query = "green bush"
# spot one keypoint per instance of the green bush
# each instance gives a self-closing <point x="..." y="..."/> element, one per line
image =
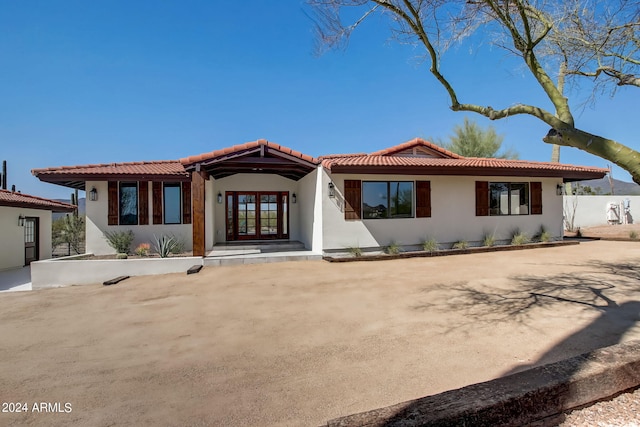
<point x="633" y="234"/>
<point x="489" y="240"/>
<point x="392" y="249"/>
<point x="120" y="240"/>
<point x="460" y="244"/>
<point x="430" y="245"/>
<point x="355" y="251"/>
<point x="520" y="238"/>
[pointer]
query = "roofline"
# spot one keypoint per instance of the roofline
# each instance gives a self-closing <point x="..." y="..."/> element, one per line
<point x="54" y="205"/>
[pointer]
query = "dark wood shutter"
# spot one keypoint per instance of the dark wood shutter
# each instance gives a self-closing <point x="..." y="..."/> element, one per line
<point x="112" y="201"/>
<point x="536" y="198"/>
<point x="156" y="195"/>
<point x="482" y="198"/>
<point x="186" y="203"/>
<point x="423" y="199"/>
<point x="352" y="199"/>
<point x="143" y="202"/>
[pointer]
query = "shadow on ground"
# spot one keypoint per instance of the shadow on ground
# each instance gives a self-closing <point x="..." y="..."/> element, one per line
<point x="597" y="287"/>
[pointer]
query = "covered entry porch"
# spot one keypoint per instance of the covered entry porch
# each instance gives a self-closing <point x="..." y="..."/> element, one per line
<point x="257" y="192"/>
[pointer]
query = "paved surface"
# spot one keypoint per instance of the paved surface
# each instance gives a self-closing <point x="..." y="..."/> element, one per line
<point x="17" y="279"/>
<point x="300" y="343"/>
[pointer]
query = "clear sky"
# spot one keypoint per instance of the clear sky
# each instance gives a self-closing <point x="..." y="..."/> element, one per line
<point x="115" y="81"/>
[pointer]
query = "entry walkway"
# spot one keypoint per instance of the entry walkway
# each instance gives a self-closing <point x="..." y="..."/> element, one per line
<point x="16" y="279"/>
<point x="234" y="253"/>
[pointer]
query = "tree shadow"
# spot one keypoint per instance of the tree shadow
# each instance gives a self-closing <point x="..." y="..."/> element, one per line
<point x="598" y="286"/>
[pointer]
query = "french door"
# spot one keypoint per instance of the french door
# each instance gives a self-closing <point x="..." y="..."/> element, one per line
<point x="257" y="215"/>
<point x="31" y="240"/>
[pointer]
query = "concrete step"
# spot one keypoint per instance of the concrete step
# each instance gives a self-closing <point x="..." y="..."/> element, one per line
<point x="260" y="258"/>
<point x="257" y="247"/>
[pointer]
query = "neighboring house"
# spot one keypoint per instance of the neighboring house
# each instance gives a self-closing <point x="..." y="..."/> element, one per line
<point x="25" y="227"/>
<point x="264" y="191"/>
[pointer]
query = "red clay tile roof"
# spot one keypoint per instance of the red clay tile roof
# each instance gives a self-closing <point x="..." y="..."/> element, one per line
<point x="13" y="199"/>
<point x="243" y="147"/>
<point x="416" y="142"/>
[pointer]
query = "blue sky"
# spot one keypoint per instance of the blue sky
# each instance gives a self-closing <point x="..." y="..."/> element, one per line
<point x="98" y="82"/>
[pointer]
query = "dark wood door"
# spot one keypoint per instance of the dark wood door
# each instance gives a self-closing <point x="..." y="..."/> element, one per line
<point x="31" y="240"/>
<point x="257" y="215"/>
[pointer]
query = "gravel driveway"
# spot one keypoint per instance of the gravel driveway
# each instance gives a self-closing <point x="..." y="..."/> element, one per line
<point x="299" y="343"/>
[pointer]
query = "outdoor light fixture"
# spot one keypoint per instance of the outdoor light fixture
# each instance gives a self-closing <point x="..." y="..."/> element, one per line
<point x="294" y="198"/>
<point x="332" y="190"/>
<point x="93" y="194"/>
<point x="21" y="220"/>
<point x="219" y="197"/>
<point x="559" y="190"/>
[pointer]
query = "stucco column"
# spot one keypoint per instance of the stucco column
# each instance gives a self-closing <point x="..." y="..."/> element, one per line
<point x="197" y="195"/>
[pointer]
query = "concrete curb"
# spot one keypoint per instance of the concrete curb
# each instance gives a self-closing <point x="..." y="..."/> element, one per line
<point x="517" y="399"/>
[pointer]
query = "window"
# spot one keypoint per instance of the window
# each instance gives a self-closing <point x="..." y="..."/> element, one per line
<point x="508" y="198"/>
<point x="171" y="201"/>
<point x="387" y="199"/>
<point x="128" y="203"/>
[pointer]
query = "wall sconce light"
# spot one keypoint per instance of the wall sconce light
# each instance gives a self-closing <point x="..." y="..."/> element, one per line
<point x="93" y="194"/>
<point x="332" y="190"/>
<point x="559" y="190"/>
<point x="21" y="220"/>
<point x="294" y="198"/>
<point x="219" y="197"/>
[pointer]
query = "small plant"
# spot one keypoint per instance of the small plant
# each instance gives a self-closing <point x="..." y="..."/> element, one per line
<point x="164" y="245"/>
<point x="355" y="251"/>
<point x="520" y="238"/>
<point x="120" y="240"/>
<point x="122" y="256"/>
<point x="143" y="249"/>
<point x="460" y="244"/>
<point x="578" y="232"/>
<point x="392" y="249"/>
<point x="489" y="240"/>
<point x="430" y="245"/>
<point x="179" y="245"/>
<point x="633" y="234"/>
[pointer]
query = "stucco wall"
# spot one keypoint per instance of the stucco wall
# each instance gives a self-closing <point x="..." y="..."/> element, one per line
<point x="452" y="218"/>
<point x="97" y="225"/>
<point x="12" y="235"/>
<point x="308" y="198"/>
<point x="592" y="210"/>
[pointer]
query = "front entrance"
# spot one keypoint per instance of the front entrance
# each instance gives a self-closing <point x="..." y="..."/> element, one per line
<point x="257" y="215"/>
<point x="31" y="240"/>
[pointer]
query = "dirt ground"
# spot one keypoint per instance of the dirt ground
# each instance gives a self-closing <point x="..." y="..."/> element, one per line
<point x="299" y="343"/>
<point x="619" y="231"/>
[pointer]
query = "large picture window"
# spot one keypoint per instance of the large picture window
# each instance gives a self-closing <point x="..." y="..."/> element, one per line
<point x="128" y="203"/>
<point x="508" y="198"/>
<point x="387" y="199"/>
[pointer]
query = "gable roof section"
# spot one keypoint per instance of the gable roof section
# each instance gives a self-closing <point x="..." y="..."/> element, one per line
<point x="75" y="176"/>
<point x="388" y="162"/>
<point x="259" y="156"/>
<point x="420" y="148"/>
<point x="19" y="200"/>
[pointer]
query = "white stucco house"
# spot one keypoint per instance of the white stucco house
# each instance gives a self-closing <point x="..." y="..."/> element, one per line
<point x="261" y="191"/>
<point x="25" y="228"/>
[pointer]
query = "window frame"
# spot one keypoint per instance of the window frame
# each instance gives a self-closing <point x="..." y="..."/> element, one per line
<point x="388" y="207"/>
<point x="511" y="187"/>
<point x="166" y="185"/>
<point x="133" y="185"/>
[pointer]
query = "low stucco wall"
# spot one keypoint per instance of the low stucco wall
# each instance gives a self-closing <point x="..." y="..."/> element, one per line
<point x="589" y="211"/>
<point x="64" y="272"/>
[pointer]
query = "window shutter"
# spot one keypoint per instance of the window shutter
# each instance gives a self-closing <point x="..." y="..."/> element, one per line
<point x="423" y="199"/>
<point x="352" y="199"/>
<point x="482" y="198"/>
<point x="112" y="201"/>
<point x="536" y="198"/>
<point x="157" y="202"/>
<point x="186" y="203"/>
<point x="143" y="202"/>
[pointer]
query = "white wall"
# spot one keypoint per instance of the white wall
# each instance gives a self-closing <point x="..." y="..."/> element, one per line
<point x="308" y="196"/>
<point x="592" y="210"/>
<point x="452" y="218"/>
<point x="97" y="225"/>
<point x="12" y="235"/>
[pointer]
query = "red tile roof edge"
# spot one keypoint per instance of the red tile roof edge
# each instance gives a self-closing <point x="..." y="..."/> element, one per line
<point x="58" y="169"/>
<point x="9" y="198"/>
<point x="416" y="142"/>
<point x="187" y="161"/>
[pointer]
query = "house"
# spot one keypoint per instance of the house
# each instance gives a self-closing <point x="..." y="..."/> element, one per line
<point x="264" y="191"/>
<point x="25" y="227"/>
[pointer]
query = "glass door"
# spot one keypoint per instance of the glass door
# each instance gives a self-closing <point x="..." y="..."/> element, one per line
<point x="257" y="215"/>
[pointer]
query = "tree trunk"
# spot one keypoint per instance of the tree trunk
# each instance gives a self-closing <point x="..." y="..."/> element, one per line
<point x="608" y="149"/>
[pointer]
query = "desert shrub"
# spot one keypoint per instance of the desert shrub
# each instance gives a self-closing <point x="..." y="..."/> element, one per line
<point x="142" y="249"/>
<point x="633" y="234"/>
<point x="164" y="245"/>
<point x="355" y="251"/>
<point x="520" y="238"/>
<point x="120" y="240"/>
<point x="489" y="239"/>
<point x="430" y="245"/>
<point x="392" y="249"/>
<point x="460" y="244"/>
